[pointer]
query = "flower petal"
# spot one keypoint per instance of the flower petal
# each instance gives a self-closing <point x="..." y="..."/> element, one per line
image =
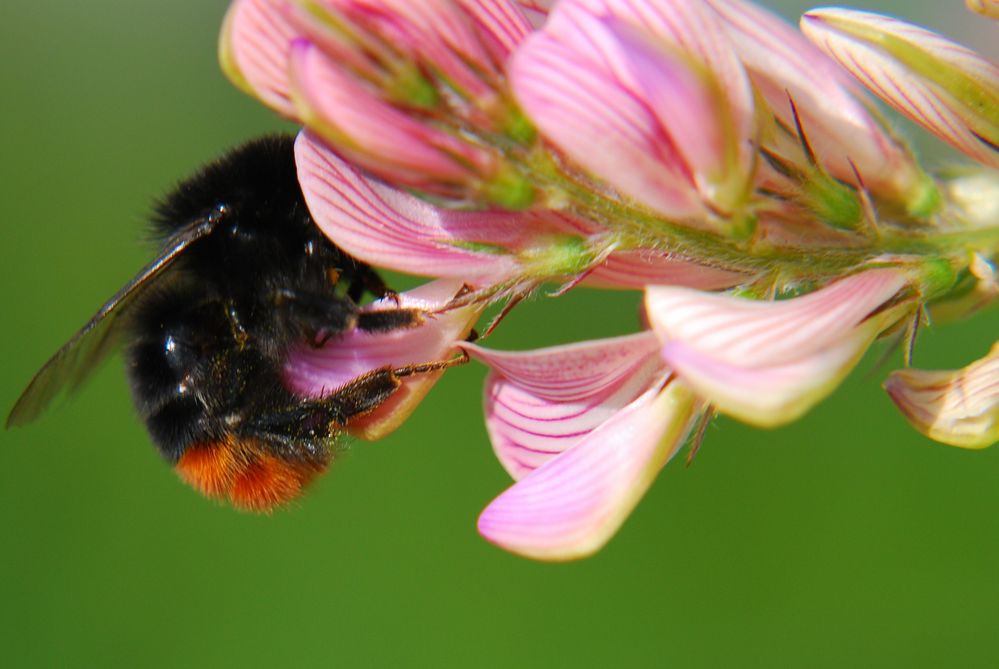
<point x="319" y="372"/>
<point x="540" y="403"/>
<point x="254" y="49"/>
<point x="636" y="269"/>
<point x="572" y="505"/>
<point x="783" y="64"/>
<point x="392" y="229"/>
<point x="596" y="120"/>
<point x="757" y="333"/>
<point x="956" y="407"/>
<point x="766" y="363"/>
<point x="773" y="395"/>
<point x="373" y="133"/>
<point x="945" y="87"/>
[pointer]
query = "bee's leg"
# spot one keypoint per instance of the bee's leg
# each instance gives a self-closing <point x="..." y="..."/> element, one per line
<point x="316" y="318"/>
<point x="386" y="320"/>
<point x="366" y="279"/>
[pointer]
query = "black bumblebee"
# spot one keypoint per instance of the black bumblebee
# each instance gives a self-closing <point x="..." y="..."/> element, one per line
<point x="244" y="274"/>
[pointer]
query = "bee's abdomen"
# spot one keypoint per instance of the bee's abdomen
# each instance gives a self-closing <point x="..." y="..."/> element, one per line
<point x="246" y="472"/>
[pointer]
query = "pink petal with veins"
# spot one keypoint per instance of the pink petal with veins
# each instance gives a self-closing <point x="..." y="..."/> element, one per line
<point x="783" y="64"/>
<point x="255" y="49"/>
<point x="393" y="229"/>
<point x="574" y="503"/>
<point x="594" y="117"/>
<point x="767" y="363"/>
<point x="758" y="333"/>
<point x="956" y="407"/>
<point x="956" y="96"/>
<point x="540" y="403"/>
<point x="372" y="132"/>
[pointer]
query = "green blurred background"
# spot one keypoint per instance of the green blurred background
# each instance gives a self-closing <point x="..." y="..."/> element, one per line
<point x="845" y="539"/>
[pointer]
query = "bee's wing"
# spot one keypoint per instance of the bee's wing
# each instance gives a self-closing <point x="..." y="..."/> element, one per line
<point x="72" y="363"/>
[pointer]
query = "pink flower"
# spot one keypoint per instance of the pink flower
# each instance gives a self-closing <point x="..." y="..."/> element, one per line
<point x="394" y="229"/>
<point x="668" y="112"/>
<point x="767" y="363"/>
<point x="355" y="71"/>
<point x="845" y="136"/>
<point x="584" y="428"/>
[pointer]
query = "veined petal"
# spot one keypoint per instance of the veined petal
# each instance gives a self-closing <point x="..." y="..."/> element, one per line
<point x="742" y="331"/>
<point x="692" y="28"/>
<point x="636" y="269"/>
<point x="767" y="363"/>
<point x="372" y="132"/>
<point x="254" y="49"/>
<point x="775" y="394"/>
<point x="956" y="407"/>
<point x="393" y="229"/>
<point x="783" y="64"/>
<point x="572" y="505"/>
<point x="595" y="119"/>
<point x="945" y="87"/>
<point x="540" y="403"/>
<point x="501" y="25"/>
<point x="318" y="372"/>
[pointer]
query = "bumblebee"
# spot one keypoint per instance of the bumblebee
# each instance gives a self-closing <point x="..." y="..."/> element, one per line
<point x="244" y="274"/>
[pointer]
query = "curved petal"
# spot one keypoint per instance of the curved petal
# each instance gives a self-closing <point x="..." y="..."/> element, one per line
<point x="318" y="372"/>
<point x="945" y="87"/>
<point x="637" y="269"/>
<point x="392" y="229"/>
<point x="372" y="132"/>
<point x="595" y="119"/>
<point x="540" y="403"/>
<point x="783" y="64"/>
<point x="772" y="395"/>
<point x="255" y="47"/>
<point x="573" y="504"/>
<point x="767" y="363"/>
<point x="691" y="27"/>
<point x="956" y="407"/>
<point x="756" y="333"/>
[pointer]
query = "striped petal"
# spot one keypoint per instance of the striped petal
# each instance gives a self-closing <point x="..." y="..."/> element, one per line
<point x="783" y="64"/>
<point x="956" y="407"/>
<point x="768" y="362"/>
<point x="594" y="118"/>
<point x="541" y="403"/>
<point x="318" y="372"/>
<point x="572" y="505"/>
<point x="392" y="229"/>
<point x="640" y="268"/>
<point x="372" y="132"/>
<point x="687" y="26"/>
<point x="945" y="87"/>
<point x="254" y="49"/>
